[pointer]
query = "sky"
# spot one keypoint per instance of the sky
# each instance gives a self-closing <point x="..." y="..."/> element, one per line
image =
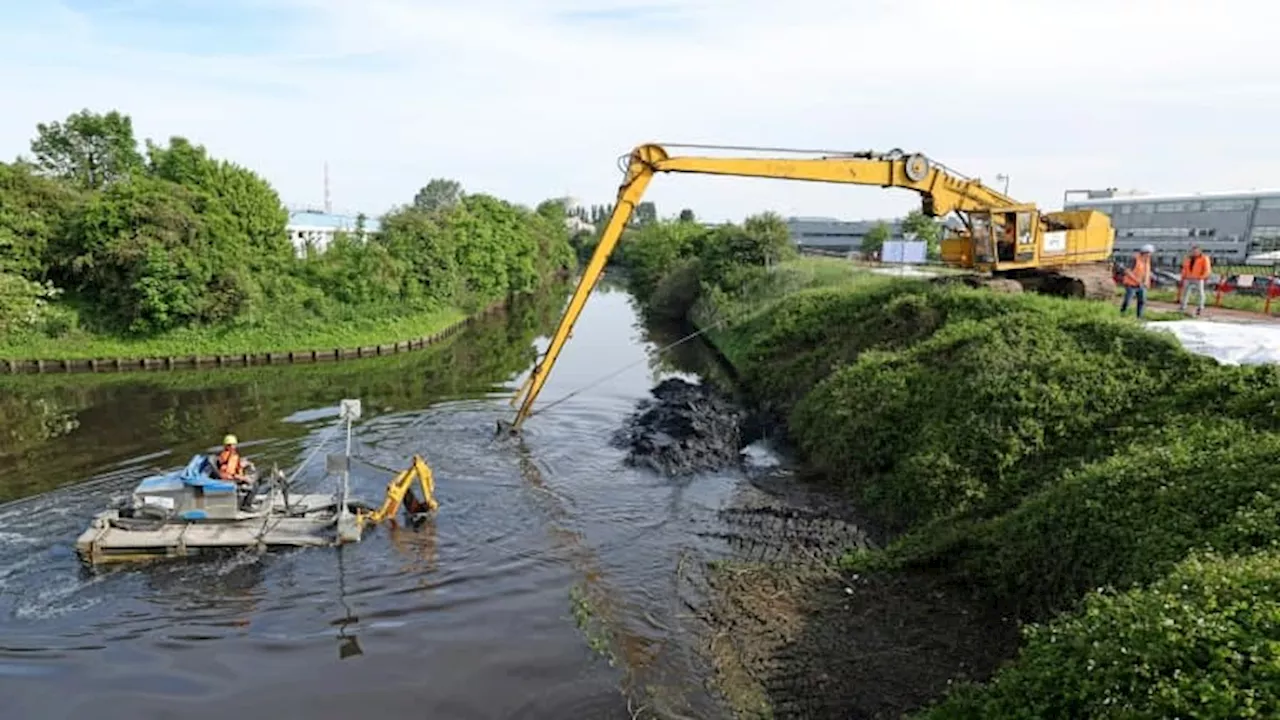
<point x="531" y="99"/>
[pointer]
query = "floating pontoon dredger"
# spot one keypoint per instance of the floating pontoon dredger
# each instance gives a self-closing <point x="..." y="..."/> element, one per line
<point x="191" y="510"/>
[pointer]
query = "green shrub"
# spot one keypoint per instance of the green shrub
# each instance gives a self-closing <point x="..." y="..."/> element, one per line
<point x="785" y="350"/>
<point x="1203" y="642"/>
<point x="24" y="304"/>
<point x="1041" y="449"/>
<point x="1202" y="483"/>
<point x="677" y="291"/>
<point x="984" y="411"/>
<point x="653" y="250"/>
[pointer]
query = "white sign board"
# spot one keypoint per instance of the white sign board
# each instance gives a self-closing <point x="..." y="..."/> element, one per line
<point x="1055" y="241"/>
<point x="903" y="251"/>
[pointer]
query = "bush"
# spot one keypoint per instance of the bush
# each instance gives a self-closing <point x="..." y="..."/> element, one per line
<point x="985" y="411"/>
<point x="653" y="250"/>
<point x="1037" y="450"/>
<point x="783" y="352"/>
<point x="1200" y="483"/>
<point x="1203" y="642"/>
<point x="24" y="304"/>
<point x="729" y="258"/>
<point x="677" y="291"/>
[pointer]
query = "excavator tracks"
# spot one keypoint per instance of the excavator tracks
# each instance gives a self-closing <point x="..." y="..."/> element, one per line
<point x="1091" y="281"/>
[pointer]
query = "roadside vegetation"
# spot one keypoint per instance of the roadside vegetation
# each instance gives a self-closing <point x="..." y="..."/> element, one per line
<point x="1091" y="478"/>
<point x="112" y="249"/>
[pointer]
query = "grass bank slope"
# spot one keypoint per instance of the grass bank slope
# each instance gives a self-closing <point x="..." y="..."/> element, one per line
<point x="279" y="333"/>
<point x="1066" y="464"/>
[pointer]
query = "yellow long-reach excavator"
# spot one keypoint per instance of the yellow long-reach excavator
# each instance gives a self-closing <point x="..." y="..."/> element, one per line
<point x="1064" y="253"/>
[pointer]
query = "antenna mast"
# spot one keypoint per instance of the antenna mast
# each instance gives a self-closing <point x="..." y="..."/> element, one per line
<point x="328" y="206"/>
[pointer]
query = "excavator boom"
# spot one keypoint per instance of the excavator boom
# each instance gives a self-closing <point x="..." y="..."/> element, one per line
<point x="942" y="192"/>
<point x="1085" y="237"/>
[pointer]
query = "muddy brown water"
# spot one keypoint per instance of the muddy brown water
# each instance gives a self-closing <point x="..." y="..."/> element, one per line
<point x="546" y="587"/>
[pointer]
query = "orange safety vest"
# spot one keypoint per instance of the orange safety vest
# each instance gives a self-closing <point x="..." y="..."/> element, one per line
<point x="1140" y="274"/>
<point x="1195" y="267"/>
<point x="228" y="464"/>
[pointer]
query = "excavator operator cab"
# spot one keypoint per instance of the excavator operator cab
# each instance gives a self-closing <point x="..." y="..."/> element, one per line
<point x="1003" y="236"/>
<point x="980" y="234"/>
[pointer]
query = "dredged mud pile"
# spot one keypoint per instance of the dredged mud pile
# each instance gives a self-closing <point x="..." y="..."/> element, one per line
<point x="686" y="428"/>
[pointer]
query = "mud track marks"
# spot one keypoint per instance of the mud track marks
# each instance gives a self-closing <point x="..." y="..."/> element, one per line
<point x="786" y="534"/>
<point x="790" y="636"/>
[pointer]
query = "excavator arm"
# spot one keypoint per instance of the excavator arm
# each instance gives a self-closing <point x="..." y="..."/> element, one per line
<point x="402" y="485"/>
<point x="942" y="192"/>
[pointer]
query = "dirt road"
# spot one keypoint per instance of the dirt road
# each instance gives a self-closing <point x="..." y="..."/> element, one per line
<point x="1214" y="314"/>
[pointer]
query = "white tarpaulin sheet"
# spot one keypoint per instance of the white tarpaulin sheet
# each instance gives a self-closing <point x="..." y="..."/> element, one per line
<point x="1228" y="343"/>
<point x="904" y="271"/>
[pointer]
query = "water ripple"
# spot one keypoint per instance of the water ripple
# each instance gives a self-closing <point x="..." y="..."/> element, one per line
<point x="470" y="615"/>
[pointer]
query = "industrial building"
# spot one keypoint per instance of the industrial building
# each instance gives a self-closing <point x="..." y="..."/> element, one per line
<point x="832" y="235"/>
<point x="317" y="228"/>
<point x="1232" y="227"/>
<point x="823" y="233"/>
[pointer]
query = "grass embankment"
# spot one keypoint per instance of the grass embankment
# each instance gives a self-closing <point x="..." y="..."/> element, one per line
<point x="280" y="334"/>
<point x="1087" y="474"/>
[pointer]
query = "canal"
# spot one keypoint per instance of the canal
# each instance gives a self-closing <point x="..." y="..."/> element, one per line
<point x="549" y="584"/>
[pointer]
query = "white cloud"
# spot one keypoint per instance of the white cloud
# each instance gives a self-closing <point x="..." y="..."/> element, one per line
<point x="512" y="97"/>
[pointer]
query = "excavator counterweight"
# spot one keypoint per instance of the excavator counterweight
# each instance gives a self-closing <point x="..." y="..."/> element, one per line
<point x="1064" y="253"/>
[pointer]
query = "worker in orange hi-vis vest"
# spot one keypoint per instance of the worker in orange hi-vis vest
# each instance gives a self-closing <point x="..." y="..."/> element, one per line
<point x="1137" y="279"/>
<point x="230" y="466"/>
<point x="1195" y="271"/>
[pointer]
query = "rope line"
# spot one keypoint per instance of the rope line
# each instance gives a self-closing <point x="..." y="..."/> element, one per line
<point x="626" y="367"/>
<point x="749" y="311"/>
<point x="263" y="529"/>
<point x="375" y="466"/>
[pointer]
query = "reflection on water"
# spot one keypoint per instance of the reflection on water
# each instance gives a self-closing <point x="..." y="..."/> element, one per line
<point x="99" y="420"/>
<point x="474" y="613"/>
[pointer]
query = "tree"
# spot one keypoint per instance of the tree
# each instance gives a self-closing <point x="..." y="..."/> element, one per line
<point x="875" y="239"/>
<point x="419" y="238"/>
<point x="686" y="215"/>
<point x="926" y="229"/>
<point x="438" y="194"/>
<point x="771" y="237"/>
<point x="241" y="209"/>
<point x="655" y="249"/>
<point x="732" y="254"/>
<point x="142" y="253"/>
<point x="600" y="214"/>
<point x="33" y="212"/>
<point x="554" y="209"/>
<point x="645" y="213"/>
<point x="88" y="149"/>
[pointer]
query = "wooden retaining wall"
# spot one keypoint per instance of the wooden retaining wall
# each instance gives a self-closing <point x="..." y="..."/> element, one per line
<point x="204" y="362"/>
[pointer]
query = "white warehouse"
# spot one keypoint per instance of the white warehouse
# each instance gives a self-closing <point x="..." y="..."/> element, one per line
<point x="317" y="228"/>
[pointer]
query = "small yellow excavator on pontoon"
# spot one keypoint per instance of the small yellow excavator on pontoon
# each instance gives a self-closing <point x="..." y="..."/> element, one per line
<point x="190" y="511"/>
<point x="1065" y="253"/>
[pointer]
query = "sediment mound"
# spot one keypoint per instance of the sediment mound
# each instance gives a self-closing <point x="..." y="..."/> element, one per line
<point x="686" y="428"/>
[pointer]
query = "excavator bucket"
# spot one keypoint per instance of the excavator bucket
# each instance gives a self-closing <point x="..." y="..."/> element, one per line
<point x="400" y="494"/>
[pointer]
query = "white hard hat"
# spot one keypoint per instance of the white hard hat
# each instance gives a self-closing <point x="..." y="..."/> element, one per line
<point x="1148" y="248"/>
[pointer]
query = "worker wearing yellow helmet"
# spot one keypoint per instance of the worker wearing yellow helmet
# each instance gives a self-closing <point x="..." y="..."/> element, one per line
<point x="230" y="466"/>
